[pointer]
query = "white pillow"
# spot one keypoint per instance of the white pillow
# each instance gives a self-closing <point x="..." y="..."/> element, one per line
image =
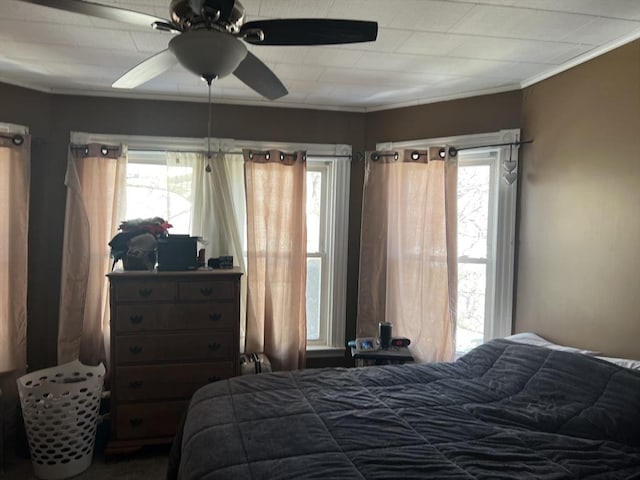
<point x="530" y="338"/>
<point x="623" y="362"/>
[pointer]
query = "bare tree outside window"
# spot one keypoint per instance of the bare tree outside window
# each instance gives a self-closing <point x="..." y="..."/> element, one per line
<point x="473" y="222"/>
<point x="160" y="190"/>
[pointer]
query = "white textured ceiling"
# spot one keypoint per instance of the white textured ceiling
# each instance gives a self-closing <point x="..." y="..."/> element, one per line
<point x="427" y="50"/>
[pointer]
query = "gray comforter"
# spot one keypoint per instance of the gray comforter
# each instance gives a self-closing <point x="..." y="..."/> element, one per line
<point x="502" y="411"/>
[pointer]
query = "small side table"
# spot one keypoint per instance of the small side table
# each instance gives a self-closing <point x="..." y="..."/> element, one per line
<point x="381" y="356"/>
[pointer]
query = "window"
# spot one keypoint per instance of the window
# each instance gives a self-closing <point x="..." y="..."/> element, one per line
<point x="156" y="188"/>
<point x="316" y="254"/>
<point x="326" y="251"/>
<point x="486" y="231"/>
<point x="474" y="208"/>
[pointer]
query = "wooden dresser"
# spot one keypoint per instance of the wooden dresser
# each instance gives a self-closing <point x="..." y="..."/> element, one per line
<point x="171" y="333"/>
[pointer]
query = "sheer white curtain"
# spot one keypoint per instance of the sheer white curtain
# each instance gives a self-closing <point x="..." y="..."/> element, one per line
<point x="408" y="263"/>
<point x="15" y="171"/>
<point x="218" y="213"/>
<point x="95" y="183"/>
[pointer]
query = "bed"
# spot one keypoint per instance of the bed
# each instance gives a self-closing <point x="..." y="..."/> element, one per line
<point x="504" y="410"/>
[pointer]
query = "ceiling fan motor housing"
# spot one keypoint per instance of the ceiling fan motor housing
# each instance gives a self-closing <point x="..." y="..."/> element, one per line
<point x="208" y="53"/>
<point x="228" y="14"/>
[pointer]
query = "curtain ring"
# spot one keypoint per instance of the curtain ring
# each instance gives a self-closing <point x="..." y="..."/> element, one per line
<point x="374" y="156"/>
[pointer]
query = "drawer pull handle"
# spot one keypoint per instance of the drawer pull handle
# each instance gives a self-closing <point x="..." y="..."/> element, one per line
<point x="214" y="379"/>
<point x="214" y="347"/>
<point x="135" y="422"/>
<point x="135" y="349"/>
<point x="145" y="292"/>
<point x="135" y="383"/>
<point x="136" y="319"/>
<point x="214" y="317"/>
<point x="205" y="292"/>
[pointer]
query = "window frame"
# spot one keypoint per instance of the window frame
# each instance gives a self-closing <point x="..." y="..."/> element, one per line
<point x="490" y="158"/>
<point x="324" y="243"/>
<point x="333" y="246"/>
<point x="502" y="209"/>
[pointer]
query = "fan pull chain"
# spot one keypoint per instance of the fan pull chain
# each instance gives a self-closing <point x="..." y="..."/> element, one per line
<point x="208" y="167"/>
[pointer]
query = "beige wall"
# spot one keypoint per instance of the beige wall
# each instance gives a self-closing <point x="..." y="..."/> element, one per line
<point x="578" y="276"/>
<point x="487" y="113"/>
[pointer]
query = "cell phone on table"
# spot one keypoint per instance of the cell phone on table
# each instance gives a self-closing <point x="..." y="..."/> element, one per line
<point x="367" y="344"/>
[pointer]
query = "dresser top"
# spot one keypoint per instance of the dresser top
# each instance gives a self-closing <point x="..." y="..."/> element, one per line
<point x="200" y="273"/>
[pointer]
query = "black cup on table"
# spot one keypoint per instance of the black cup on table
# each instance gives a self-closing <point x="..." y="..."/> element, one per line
<point x="384" y="334"/>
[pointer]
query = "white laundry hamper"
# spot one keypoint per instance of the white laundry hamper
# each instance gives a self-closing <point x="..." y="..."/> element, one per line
<point x="60" y="407"/>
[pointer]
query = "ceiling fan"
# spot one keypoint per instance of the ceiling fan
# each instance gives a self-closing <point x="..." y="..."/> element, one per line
<point x="211" y="35"/>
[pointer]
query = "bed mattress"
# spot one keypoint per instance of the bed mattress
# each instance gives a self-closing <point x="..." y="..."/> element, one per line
<point x="504" y="410"/>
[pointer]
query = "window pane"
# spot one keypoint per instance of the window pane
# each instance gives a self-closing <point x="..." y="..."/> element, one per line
<point x="473" y="210"/>
<point x="314" y="297"/>
<point x="148" y="194"/>
<point x="314" y="210"/>
<point x="472" y="280"/>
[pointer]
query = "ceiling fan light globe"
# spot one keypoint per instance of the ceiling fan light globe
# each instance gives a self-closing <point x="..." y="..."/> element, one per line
<point x="208" y="53"/>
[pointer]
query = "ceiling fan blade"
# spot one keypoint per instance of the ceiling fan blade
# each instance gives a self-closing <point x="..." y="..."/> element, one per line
<point x="148" y="69"/>
<point x="308" y="31"/>
<point x="260" y="78"/>
<point x="102" y="11"/>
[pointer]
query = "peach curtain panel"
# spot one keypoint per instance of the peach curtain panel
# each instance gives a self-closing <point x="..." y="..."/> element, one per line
<point x="408" y="263"/>
<point x="276" y="256"/>
<point x="14" y="211"/>
<point x="92" y="218"/>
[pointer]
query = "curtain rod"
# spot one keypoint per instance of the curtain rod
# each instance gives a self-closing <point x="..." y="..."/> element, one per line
<point x="17" y="139"/>
<point x="442" y="152"/>
<point x="509" y="144"/>
<point x="106" y="148"/>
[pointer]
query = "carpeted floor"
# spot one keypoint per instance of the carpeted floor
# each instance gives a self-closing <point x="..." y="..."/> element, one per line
<point x="147" y="464"/>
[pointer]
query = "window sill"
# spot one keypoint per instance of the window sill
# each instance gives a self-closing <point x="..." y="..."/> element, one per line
<point x="324" y="351"/>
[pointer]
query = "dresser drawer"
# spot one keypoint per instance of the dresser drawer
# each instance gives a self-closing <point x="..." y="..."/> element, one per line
<point x="141" y="318"/>
<point x="205" y="291"/>
<point x="213" y="315"/>
<point x="146" y="420"/>
<point x="145" y="291"/>
<point x="146" y="318"/>
<point x="203" y="346"/>
<point x="168" y="382"/>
